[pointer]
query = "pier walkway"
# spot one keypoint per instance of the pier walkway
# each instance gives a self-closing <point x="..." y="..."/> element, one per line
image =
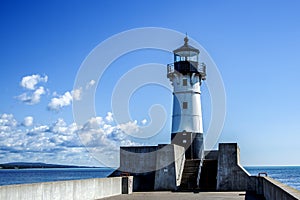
<point x="184" y="196"/>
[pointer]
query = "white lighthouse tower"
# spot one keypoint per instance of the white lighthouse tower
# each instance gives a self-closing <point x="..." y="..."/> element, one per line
<point x="186" y="76"/>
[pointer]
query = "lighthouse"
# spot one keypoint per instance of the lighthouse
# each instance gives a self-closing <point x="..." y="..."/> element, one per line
<point x="186" y="76"/>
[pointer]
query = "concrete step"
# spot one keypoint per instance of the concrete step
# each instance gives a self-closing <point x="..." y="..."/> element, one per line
<point x="192" y="163"/>
<point x="190" y="169"/>
<point x="189" y="175"/>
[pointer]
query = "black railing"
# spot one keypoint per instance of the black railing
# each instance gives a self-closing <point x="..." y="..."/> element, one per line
<point x="185" y="67"/>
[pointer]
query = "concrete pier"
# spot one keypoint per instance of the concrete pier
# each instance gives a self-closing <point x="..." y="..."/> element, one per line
<point x="221" y="173"/>
<point x="86" y="189"/>
<point x="185" y="196"/>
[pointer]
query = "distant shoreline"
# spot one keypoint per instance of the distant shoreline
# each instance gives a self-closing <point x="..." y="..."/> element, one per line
<point x="25" y="165"/>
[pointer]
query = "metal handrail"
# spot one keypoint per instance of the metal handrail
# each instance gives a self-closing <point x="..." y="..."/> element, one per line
<point x="201" y="69"/>
<point x="170" y="68"/>
<point x="262" y="173"/>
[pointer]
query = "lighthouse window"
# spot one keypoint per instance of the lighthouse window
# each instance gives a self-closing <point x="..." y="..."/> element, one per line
<point x="185" y="105"/>
<point x="184" y="82"/>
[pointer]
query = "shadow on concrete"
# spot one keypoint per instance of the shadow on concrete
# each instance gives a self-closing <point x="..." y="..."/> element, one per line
<point x="253" y="196"/>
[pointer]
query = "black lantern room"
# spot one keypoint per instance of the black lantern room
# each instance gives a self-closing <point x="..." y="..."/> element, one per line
<point x="186" y="60"/>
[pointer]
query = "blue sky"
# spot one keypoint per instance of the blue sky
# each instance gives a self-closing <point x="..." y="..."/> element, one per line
<point x="255" y="45"/>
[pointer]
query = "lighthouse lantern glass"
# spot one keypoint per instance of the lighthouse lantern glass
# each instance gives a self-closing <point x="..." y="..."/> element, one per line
<point x="186" y="56"/>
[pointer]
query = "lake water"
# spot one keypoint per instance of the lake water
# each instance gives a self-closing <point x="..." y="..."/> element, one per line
<point x="286" y="175"/>
<point x="21" y="176"/>
<point x="289" y="175"/>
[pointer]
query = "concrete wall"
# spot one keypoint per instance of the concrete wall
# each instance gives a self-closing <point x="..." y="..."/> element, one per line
<point x="87" y="189"/>
<point x="211" y="155"/>
<point x="275" y="190"/>
<point x="169" y="164"/>
<point x="127" y="185"/>
<point x="140" y="162"/>
<point x="179" y="153"/>
<point x="153" y="167"/>
<point x="139" y="159"/>
<point x="231" y="175"/>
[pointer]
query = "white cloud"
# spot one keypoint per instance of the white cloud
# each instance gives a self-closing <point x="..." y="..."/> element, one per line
<point x="57" y="103"/>
<point x="93" y="123"/>
<point x="32" y="98"/>
<point x="44" y="143"/>
<point x="30" y="82"/>
<point x="59" y="142"/>
<point x="41" y="128"/>
<point x="66" y="99"/>
<point x="109" y="117"/>
<point x="129" y="127"/>
<point x="104" y="140"/>
<point x="90" y="84"/>
<point x="28" y="121"/>
<point x="7" y="122"/>
<point x="144" y="121"/>
<point x="34" y="94"/>
<point x="76" y="94"/>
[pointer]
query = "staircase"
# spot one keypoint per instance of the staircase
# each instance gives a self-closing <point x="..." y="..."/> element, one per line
<point x="189" y="175"/>
<point x="208" y="177"/>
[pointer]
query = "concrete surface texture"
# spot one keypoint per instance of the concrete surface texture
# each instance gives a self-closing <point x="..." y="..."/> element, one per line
<point x="64" y="190"/>
<point x="127" y="184"/>
<point x="272" y="189"/>
<point x="184" y="196"/>
<point x="169" y="164"/>
<point x="138" y="159"/>
<point x="231" y="175"/>
<point x="153" y="167"/>
<point x="179" y="162"/>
